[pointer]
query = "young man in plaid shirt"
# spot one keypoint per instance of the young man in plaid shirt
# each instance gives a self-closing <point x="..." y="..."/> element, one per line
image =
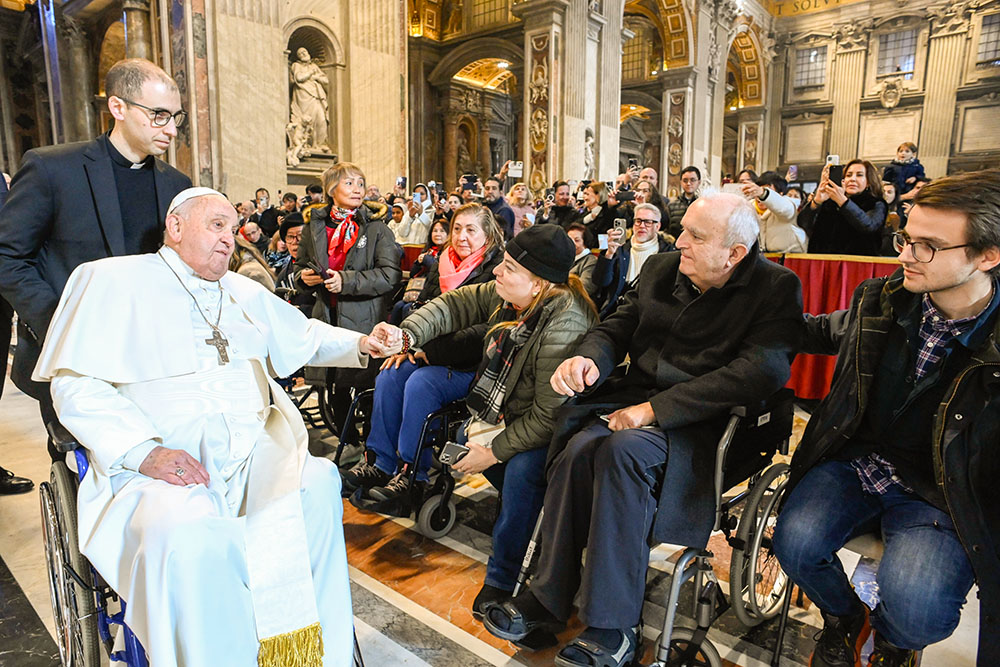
<point x="906" y="443"/>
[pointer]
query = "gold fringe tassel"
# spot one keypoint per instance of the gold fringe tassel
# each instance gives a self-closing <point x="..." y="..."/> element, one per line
<point x="299" y="648"/>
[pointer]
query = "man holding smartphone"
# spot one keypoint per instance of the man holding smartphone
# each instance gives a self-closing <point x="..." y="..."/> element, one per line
<point x="558" y="207"/>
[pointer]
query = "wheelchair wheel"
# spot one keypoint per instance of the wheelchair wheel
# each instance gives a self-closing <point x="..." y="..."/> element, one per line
<point x="435" y="520"/>
<point x="73" y="603"/>
<point x="757" y="583"/>
<point x="706" y="656"/>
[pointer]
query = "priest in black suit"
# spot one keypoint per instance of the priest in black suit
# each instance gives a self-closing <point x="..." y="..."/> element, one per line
<point x="73" y="203"/>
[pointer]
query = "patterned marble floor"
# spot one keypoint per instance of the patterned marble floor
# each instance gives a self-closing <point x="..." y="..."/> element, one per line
<point x="411" y="594"/>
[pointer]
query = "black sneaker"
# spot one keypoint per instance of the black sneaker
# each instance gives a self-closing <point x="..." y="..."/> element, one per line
<point x="839" y="643"/>
<point x="886" y="655"/>
<point x="364" y="475"/>
<point x="397" y="487"/>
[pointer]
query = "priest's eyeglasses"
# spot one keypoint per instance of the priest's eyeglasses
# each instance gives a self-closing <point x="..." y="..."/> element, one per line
<point x="160" y="117"/>
<point x="922" y="252"/>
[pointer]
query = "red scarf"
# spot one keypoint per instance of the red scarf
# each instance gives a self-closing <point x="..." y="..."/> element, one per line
<point x="454" y="271"/>
<point x="339" y="240"/>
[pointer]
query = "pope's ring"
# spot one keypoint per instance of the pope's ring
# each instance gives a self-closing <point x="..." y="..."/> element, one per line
<point x="180" y="472"/>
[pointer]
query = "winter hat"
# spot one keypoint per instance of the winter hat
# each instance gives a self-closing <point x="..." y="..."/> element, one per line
<point x="545" y="250"/>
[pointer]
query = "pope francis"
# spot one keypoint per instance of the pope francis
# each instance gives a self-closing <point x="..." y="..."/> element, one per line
<point x="202" y="507"/>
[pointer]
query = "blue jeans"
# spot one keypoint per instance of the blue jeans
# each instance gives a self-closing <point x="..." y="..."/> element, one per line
<point x="404" y="397"/>
<point x="521" y="483"/>
<point x="924" y="575"/>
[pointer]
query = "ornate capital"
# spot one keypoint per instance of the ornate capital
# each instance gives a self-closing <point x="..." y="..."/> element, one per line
<point x="951" y="18"/>
<point x="726" y="11"/>
<point x="135" y="5"/>
<point x="853" y="36"/>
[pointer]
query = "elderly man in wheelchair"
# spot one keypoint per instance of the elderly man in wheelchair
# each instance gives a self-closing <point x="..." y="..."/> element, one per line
<point x="201" y="505"/>
<point x="708" y="328"/>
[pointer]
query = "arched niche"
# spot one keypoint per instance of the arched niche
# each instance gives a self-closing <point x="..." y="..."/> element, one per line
<point x="326" y="51"/>
<point x="112" y="50"/>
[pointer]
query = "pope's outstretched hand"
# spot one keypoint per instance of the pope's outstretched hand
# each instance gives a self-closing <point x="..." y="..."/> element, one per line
<point x="390" y="337"/>
<point x="574" y="375"/>
<point x="174" y="466"/>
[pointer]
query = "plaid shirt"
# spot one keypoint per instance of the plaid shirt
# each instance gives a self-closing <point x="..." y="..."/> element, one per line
<point x="876" y="474"/>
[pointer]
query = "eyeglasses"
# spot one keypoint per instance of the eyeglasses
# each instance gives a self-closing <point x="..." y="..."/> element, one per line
<point x="922" y="252"/>
<point x="293" y="237"/>
<point x="645" y="221"/>
<point x="160" y="116"/>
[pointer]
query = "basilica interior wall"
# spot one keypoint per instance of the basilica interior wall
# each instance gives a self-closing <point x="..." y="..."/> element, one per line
<point x="253" y="105"/>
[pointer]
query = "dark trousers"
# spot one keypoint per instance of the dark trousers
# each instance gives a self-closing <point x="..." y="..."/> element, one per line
<point x="924" y="575"/>
<point x="601" y="496"/>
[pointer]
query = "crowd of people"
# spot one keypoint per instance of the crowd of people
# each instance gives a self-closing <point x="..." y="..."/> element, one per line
<point x="152" y="325"/>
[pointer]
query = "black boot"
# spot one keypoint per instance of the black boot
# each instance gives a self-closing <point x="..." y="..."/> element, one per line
<point x="839" y="643"/>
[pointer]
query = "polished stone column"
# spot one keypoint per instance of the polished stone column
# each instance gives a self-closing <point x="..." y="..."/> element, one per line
<point x="949" y="31"/>
<point x="608" y="131"/>
<point x="137" y="38"/>
<point x="450" y="151"/>
<point x="777" y="57"/>
<point x="79" y="118"/>
<point x="847" y="87"/>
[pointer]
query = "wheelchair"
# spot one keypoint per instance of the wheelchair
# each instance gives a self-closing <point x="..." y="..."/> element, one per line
<point x="435" y="511"/>
<point x="84" y="607"/>
<point x="758" y="587"/>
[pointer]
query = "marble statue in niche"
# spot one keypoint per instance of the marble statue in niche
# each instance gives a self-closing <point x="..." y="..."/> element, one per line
<point x="310" y="107"/>
<point x="465" y="165"/>
<point x="588" y="156"/>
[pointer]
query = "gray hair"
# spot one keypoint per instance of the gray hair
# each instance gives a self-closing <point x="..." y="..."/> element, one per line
<point x="649" y="207"/>
<point x="742" y="227"/>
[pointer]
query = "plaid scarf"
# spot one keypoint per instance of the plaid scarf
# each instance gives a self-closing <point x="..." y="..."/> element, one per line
<point x="486" y="399"/>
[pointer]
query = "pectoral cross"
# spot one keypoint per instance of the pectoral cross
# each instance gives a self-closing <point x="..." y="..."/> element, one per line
<point x="219" y="342"/>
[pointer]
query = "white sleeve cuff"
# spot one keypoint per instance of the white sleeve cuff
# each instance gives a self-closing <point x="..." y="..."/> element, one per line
<point x="134" y="457"/>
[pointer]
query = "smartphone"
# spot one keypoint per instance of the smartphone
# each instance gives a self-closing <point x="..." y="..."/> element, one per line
<point x="432" y="185"/>
<point x="620" y="223"/>
<point x="452" y="453"/>
<point x="550" y="193"/>
<point x="516" y="169"/>
<point x="315" y="267"/>
<point x="633" y="163"/>
<point x="469" y="186"/>
<point x="833" y="159"/>
<point x="401" y="182"/>
<point x="625" y="195"/>
<point x="417" y="197"/>
<point x="837" y="174"/>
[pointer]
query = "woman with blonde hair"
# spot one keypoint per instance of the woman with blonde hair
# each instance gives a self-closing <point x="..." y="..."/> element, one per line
<point x="519" y="200"/>
<point x="247" y="261"/>
<point x="512" y="333"/>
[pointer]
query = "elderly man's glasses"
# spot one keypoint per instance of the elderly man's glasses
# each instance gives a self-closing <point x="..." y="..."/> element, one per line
<point x="160" y="117"/>
<point x="922" y="252"/>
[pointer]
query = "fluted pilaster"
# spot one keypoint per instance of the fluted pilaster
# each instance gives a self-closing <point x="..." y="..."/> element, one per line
<point x="949" y="30"/>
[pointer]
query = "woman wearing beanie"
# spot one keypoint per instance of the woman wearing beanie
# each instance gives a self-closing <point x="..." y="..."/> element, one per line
<point x="520" y="328"/>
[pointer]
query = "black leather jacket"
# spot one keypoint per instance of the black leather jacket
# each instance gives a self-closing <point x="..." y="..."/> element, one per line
<point x="965" y="438"/>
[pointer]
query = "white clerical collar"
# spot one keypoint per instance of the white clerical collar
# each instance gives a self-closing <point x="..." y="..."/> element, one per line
<point x="179" y="266"/>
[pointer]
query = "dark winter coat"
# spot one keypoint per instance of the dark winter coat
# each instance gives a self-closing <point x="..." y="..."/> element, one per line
<point x="897" y="173"/>
<point x="965" y="433"/>
<point x="371" y="273"/>
<point x="693" y="357"/>
<point x="610" y="274"/>
<point x="852" y="229"/>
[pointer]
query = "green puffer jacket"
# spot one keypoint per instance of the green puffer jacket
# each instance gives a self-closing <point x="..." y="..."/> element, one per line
<point x="531" y="404"/>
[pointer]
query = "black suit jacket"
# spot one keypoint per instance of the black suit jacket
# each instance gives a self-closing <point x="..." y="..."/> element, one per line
<point x="62" y="211"/>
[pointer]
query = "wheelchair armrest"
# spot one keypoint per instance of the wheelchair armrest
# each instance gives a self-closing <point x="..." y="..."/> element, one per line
<point x="62" y="440"/>
<point x="780" y="396"/>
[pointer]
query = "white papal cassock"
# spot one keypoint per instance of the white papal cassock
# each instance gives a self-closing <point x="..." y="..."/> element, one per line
<point x="206" y="571"/>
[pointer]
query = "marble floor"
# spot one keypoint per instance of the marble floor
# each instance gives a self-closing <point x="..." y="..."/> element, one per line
<point x="411" y="594"/>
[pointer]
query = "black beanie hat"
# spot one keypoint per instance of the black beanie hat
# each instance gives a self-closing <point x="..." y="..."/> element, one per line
<point x="293" y="219"/>
<point x="545" y="250"/>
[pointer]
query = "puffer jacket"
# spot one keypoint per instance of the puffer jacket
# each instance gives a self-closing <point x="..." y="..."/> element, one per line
<point x="964" y="437"/>
<point x="531" y="404"/>
<point x="371" y="273"/>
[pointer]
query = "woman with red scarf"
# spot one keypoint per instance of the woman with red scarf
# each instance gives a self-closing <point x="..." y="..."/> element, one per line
<point x="473" y="249"/>
<point x="349" y="259"/>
